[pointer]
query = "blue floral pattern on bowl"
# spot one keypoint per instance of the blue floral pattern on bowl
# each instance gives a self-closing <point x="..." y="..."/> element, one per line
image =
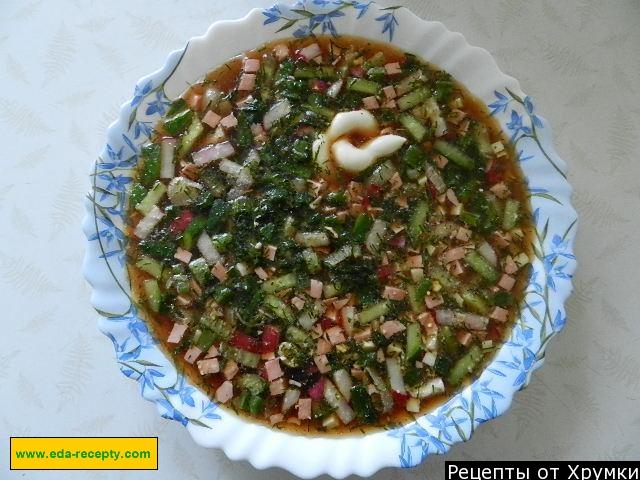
<point x="543" y="315"/>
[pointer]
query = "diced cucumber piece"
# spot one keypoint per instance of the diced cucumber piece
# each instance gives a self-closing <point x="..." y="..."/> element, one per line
<point x="243" y="357"/>
<point x="480" y="264"/>
<point x="177" y="123"/>
<point x="280" y="283"/>
<point x="189" y="138"/>
<point x="192" y="232"/>
<point x="279" y="308"/>
<point x="338" y="256"/>
<point x="413" y="98"/>
<point x="205" y="339"/>
<point x="150" y="165"/>
<point x="416" y="303"/>
<point x="510" y="217"/>
<point x="465" y="365"/>
<point x="475" y="302"/>
<point x="152" y="197"/>
<point x="253" y="383"/>
<point x="373" y="312"/>
<point x="448" y="281"/>
<point x="299" y="337"/>
<point x="363" y="86"/>
<point x="454" y="154"/>
<point x="414" y="341"/>
<point x="221" y="328"/>
<point x="311" y="260"/>
<point x="152" y="293"/>
<point x="149" y="265"/>
<point x="200" y="270"/>
<point x="413" y="125"/>
<point x="418" y="221"/>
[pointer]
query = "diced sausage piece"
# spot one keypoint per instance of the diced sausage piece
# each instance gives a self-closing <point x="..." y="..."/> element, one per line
<point x="362" y="335"/>
<point x="212" y="352"/>
<point x="338" y="304"/>
<point x="433" y="302"/>
<point x="311" y="51"/>
<point x="322" y="362"/>
<point x="428" y="323"/>
<point x="298" y="302"/>
<point x="251" y="65"/>
<point x="463" y="337"/>
<point x="192" y="354"/>
<point x="336" y="335"/>
<point x="304" y="408"/>
<point x="440" y="161"/>
<point x="268" y="356"/>
<point x="229" y="121"/>
<point x="389" y="92"/>
<point x="391" y="104"/>
<point x="194" y="102"/>
<point x="507" y="282"/>
<point x="510" y="267"/>
<point x="393" y="293"/>
<point x="208" y="365"/>
<point x="219" y="271"/>
<point x="273" y="369"/>
<point x="230" y="369"/>
<point x="277" y="387"/>
<point x="457" y="268"/>
<point x="323" y="346"/>
<point x="176" y="333"/>
<point x="261" y="273"/>
<point x="276" y="418"/>
<point x="183" y="255"/>
<point x="247" y="82"/>
<point x="414" y="261"/>
<point x="451" y="196"/>
<point x="257" y="129"/>
<point x="499" y="314"/>
<point x="270" y="252"/>
<point x="281" y="51"/>
<point x="393" y="68"/>
<point x="315" y="288"/>
<point x="391" y="327"/>
<point x="453" y="254"/>
<point x="211" y="118"/>
<point x="395" y="181"/>
<point x="463" y="234"/>
<point x="370" y="103"/>
<point x="224" y="393"/>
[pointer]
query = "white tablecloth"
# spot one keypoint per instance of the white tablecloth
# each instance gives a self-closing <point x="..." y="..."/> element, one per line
<point x="67" y="65"/>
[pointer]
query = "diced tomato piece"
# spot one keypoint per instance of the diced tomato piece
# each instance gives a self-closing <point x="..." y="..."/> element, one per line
<point x="432" y="190"/>
<point x="399" y="241"/>
<point x="298" y="56"/>
<point x="270" y="339"/>
<point x="245" y="342"/>
<point x="181" y="222"/>
<point x="326" y="322"/>
<point x="374" y="190"/>
<point x="357" y="71"/>
<point x="399" y="399"/>
<point x="493" y="176"/>
<point x="385" y="271"/>
<point x="316" y="392"/>
<point x="262" y="371"/>
<point x="319" y="85"/>
<point x="494" y="332"/>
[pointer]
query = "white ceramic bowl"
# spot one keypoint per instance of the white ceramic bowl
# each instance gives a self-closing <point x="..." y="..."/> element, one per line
<point x="138" y="354"/>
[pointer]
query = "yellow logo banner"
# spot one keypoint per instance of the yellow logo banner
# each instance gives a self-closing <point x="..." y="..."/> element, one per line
<point x="84" y="453"/>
